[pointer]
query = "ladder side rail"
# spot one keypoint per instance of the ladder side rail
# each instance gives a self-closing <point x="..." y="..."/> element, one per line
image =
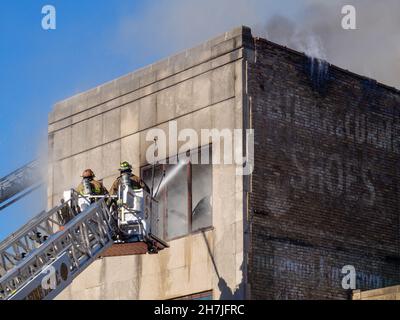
<point x="27" y="238"/>
<point x="16" y="277"/>
<point x="19" y="180"/>
<point x="23" y="229"/>
<point x="44" y="215"/>
<point x="84" y="239"/>
<point x="38" y="219"/>
<point x="56" y="243"/>
<point x="34" y="290"/>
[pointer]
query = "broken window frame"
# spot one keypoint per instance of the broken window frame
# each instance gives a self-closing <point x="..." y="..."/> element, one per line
<point x="189" y="176"/>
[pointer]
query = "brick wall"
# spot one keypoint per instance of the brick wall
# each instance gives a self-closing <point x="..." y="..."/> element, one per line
<point x="326" y="181"/>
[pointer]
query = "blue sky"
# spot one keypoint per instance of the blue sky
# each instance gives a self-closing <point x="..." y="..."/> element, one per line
<point x="38" y="68"/>
<point x="95" y="41"/>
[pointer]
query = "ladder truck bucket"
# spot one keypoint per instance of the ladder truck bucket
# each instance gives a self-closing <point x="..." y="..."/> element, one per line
<point x="138" y="219"/>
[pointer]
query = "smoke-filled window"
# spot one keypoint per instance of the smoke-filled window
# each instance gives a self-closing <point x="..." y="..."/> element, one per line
<point x="185" y="188"/>
<point x="201" y="196"/>
<point x="177" y="200"/>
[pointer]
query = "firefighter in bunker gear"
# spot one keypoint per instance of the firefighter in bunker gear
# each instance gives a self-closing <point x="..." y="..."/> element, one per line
<point x="89" y="186"/>
<point x="126" y="171"/>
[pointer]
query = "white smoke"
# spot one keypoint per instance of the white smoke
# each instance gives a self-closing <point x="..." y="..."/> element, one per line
<point x="372" y="50"/>
<point x="170" y="175"/>
<point x="312" y="46"/>
<point x="310" y="26"/>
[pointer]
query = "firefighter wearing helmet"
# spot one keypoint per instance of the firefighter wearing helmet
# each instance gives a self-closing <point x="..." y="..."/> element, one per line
<point x="90" y="186"/>
<point x="126" y="173"/>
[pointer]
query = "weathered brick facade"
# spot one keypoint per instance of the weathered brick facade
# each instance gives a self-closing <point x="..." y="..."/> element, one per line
<point x="324" y="193"/>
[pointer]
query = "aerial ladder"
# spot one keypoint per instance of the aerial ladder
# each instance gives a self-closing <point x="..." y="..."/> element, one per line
<point x="42" y="258"/>
<point x="20" y="183"/>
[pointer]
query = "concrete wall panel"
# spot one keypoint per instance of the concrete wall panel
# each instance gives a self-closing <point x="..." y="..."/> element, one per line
<point x="62" y="143"/>
<point x="62" y="175"/>
<point x="94" y="161"/>
<point x="147" y="112"/>
<point x="129" y="118"/>
<point x="195" y="88"/>
<point x="111" y="125"/>
<point x="94" y="132"/>
<point x="111" y="154"/>
<point x="223" y="83"/>
<point x="79" y="142"/>
<point x="184" y="98"/>
<point x="166" y="105"/>
<point x="130" y="150"/>
<point x="79" y="163"/>
<point x="201" y="91"/>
